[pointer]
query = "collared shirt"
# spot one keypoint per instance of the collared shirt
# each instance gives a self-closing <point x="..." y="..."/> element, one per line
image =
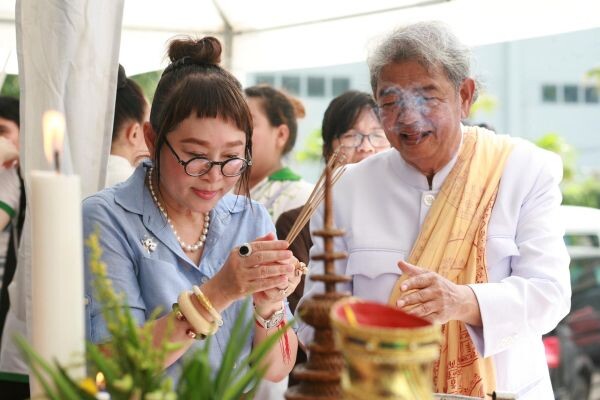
<point x="128" y="221"/>
<point x="381" y="204"/>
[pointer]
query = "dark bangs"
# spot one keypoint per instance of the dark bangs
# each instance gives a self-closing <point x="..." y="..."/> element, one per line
<point x="207" y="98"/>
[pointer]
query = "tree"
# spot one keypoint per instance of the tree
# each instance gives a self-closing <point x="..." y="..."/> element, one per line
<point x="555" y="143"/>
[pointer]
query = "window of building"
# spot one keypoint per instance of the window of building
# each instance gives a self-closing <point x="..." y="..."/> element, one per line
<point x="316" y="86"/>
<point x="291" y="84"/>
<point x="339" y="86"/>
<point x="549" y="93"/>
<point x="265" y="78"/>
<point x="591" y="94"/>
<point x="571" y="93"/>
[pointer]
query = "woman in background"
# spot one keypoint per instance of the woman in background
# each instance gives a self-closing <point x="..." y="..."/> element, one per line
<point x="128" y="146"/>
<point x="275" y="127"/>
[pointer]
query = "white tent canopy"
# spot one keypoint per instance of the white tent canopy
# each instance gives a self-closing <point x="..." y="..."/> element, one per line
<point x="261" y="35"/>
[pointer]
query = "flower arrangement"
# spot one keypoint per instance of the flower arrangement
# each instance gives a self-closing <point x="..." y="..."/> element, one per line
<point x="133" y="365"/>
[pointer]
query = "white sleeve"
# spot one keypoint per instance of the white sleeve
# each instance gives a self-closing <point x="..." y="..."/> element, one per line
<point x="536" y="294"/>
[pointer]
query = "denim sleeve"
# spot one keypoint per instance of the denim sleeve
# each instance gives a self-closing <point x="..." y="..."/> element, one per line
<point x="109" y="221"/>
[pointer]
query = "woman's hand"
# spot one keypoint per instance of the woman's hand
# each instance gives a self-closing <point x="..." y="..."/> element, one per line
<point x="266" y="267"/>
<point x="269" y="300"/>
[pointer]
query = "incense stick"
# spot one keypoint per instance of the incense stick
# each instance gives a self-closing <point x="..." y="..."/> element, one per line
<point x="335" y="164"/>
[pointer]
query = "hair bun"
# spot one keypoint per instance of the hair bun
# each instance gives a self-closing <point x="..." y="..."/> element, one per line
<point x="203" y="51"/>
<point x="121" y="78"/>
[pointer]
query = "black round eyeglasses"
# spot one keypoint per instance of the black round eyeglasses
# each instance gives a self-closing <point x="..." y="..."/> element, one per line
<point x="198" y="166"/>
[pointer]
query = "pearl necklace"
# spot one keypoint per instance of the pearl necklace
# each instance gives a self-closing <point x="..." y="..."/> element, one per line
<point x="184" y="246"/>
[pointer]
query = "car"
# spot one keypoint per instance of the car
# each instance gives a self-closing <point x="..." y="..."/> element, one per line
<point x="573" y="348"/>
<point x="570" y="368"/>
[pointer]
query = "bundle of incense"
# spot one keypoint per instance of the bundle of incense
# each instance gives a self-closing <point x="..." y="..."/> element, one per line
<point x="336" y="165"/>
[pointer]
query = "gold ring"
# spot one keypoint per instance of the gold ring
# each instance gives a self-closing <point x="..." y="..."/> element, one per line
<point x="191" y="334"/>
<point x="300" y="268"/>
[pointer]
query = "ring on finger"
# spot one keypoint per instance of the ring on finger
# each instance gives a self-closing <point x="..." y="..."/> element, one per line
<point x="245" y="250"/>
<point x="283" y="292"/>
<point x="300" y="268"/>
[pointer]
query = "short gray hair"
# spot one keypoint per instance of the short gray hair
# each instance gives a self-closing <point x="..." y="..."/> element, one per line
<point x="431" y="44"/>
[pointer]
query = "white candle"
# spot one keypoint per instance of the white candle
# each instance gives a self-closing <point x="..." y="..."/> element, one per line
<point x="58" y="330"/>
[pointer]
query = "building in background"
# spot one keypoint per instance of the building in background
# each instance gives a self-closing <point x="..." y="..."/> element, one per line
<point x="537" y="85"/>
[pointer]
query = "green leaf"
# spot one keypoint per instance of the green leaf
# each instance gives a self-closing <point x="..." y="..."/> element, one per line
<point x="38" y="365"/>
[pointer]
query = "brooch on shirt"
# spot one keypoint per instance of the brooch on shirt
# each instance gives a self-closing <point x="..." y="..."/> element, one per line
<point x="149" y="244"/>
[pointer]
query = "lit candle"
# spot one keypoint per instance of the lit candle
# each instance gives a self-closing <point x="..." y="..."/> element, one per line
<point x="101" y="385"/>
<point x="58" y="330"/>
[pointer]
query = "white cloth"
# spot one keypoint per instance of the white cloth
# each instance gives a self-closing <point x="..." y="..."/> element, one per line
<point x="118" y="170"/>
<point x="79" y="79"/>
<point x="381" y="204"/>
<point x="280" y="196"/>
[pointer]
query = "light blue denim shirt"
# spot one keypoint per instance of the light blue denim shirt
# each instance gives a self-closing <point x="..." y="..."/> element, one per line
<point x="127" y="216"/>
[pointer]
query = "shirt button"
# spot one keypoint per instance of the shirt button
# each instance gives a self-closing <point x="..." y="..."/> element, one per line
<point x="428" y="199"/>
<point x="204" y="279"/>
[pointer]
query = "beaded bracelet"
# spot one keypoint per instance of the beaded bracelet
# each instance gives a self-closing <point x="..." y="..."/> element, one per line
<point x="208" y="305"/>
<point x="189" y="311"/>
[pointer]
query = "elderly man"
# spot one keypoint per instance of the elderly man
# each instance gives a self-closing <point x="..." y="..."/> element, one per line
<point x="469" y="219"/>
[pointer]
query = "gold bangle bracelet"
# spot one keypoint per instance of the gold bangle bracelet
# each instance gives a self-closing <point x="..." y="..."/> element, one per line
<point x="189" y="311"/>
<point x="208" y="305"/>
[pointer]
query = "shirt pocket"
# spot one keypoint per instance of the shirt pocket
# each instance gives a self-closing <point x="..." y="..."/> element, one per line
<point x="498" y="252"/>
<point x="374" y="272"/>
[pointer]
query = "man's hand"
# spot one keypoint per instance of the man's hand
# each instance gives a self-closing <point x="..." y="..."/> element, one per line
<point x="428" y="295"/>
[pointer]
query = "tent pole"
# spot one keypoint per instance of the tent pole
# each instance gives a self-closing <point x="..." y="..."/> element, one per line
<point x="227" y="36"/>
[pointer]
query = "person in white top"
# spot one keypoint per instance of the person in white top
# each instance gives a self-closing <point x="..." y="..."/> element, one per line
<point x="274" y="115"/>
<point x="470" y="220"/>
<point x="9" y="156"/>
<point x="128" y="146"/>
<point x="12" y="214"/>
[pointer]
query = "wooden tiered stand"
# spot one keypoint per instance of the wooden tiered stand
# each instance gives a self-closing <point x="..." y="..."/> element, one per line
<point x="320" y="377"/>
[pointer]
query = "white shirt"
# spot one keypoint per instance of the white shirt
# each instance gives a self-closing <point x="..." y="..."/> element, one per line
<point x="10" y="191"/>
<point x="118" y="170"/>
<point x="381" y="204"/>
<point x="279" y="196"/>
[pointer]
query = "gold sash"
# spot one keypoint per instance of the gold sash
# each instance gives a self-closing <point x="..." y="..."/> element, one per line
<point x="452" y="243"/>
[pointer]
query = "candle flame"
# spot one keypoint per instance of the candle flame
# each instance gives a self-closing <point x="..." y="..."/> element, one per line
<point x="53" y="123"/>
<point x="100" y="382"/>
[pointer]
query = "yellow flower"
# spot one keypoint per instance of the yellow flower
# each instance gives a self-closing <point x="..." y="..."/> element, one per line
<point x="89" y="386"/>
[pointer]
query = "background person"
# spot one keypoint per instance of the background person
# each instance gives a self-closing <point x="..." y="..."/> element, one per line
<point x="128" y="147"/>
<point x="12" y="217"/>
<point x="275" y="128"/>
<point x="351" y="124"/>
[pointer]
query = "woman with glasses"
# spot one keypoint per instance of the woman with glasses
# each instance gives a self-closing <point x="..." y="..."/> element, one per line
<point x="274" y="118"/>
<point x="172" y="235"/>
<point x="350" y="124"/>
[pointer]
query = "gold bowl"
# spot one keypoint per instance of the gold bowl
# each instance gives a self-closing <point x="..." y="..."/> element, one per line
<point x="387" y="353"/>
